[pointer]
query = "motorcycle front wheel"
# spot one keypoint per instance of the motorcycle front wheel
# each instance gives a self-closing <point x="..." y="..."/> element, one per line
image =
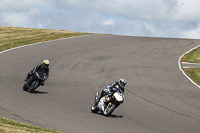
<point x="25" y="88"/>
<point x="33" y="86"/>
<point x="109" y="109"/>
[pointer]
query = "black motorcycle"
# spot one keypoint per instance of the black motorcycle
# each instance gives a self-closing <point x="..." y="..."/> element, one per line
<point x="34" y="81"/>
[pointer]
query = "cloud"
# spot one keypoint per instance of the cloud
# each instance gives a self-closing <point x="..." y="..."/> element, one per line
<point x="108" y="22"/>
<point x="33" y="12"/>
<point x="187" y="11"/>
<point x="17" y="19"/>
<point x="192" y="33"/>
<point x="156" y="18"/>
<point x="20" y="5"/>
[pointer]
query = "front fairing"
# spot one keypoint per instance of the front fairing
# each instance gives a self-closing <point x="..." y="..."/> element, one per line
<point x="35" y="76"/>
<point x="40" y="76"/>
<point x="101" y="104"/>
<point x="118" y="93"/>
<point x="119" y="96"/>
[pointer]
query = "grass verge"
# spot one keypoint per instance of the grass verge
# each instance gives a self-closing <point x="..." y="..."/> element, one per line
<point x="194" y="74"/>
<point x="11" y="37"/>
<point x="9" y="126"/>
<point x="193" y="56"/>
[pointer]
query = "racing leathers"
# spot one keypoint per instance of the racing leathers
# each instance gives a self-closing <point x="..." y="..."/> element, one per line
<point x="109" y="90"/>
<point x="41" y="69"/>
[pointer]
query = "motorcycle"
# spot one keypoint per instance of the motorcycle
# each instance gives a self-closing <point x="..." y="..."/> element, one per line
<point x="108" y="103"/>
<point x="33" y="82"/>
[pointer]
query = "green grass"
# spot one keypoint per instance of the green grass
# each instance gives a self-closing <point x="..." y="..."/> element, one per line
<point x="193" y="56"/>
<point x="9" y="126"/>
<point x="11" y="37"/>
<point x="194" y="74"/>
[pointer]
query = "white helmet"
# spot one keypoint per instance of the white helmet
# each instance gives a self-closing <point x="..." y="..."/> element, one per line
<point x="122" y="82"/>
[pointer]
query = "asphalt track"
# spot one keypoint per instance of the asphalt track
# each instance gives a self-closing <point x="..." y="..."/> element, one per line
<point x="158" y="97"/>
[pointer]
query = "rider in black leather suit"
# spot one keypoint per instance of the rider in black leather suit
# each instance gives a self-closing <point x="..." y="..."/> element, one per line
<point x="42" y="68"/>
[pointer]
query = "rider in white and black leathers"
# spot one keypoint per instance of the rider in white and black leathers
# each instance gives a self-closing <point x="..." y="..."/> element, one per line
<point x="109" y="90"/>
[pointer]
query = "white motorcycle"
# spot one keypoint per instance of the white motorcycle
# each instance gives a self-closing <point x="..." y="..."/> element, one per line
<point x="108" y="103"/>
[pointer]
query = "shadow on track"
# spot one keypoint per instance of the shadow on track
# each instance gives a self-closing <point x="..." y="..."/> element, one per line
<point x="111" y="116"/>
<point x="116" y="116"/>
<point x="39" y="92"/>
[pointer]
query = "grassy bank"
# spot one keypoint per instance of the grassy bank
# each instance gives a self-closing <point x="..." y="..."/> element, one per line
<point x="15" y="36"/>
<point x="11" y="37"/>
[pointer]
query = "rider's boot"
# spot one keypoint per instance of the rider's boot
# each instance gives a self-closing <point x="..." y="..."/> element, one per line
<point x="42" y="83"/>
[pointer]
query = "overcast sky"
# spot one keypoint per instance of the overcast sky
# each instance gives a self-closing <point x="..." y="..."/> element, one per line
<point x="152" y="18"/>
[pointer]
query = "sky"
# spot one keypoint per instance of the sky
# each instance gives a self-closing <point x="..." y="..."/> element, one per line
<point x="149" y="18"/>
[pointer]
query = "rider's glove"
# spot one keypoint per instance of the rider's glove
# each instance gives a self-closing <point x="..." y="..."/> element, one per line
<point x="107" y="90"/>
<point x="29" y="74"/>
<point x="42" y="83"/>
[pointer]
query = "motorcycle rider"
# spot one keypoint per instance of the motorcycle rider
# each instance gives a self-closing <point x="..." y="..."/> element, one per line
<point x="109" y="90"/>
<point x="42" y="68"/>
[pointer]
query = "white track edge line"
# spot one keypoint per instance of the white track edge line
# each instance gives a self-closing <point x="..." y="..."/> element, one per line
<point x="189" y="67"/>
<point x="190" y="63"/>
<point x="179" y="64"/>
<point x="40" y="43"/>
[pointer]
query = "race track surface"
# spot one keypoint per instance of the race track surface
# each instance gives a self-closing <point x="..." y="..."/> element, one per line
<point x="158" y="97"/>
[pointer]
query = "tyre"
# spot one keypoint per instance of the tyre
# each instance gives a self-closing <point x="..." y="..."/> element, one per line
<point x="109" y="109"/>
<point x="25" y="88"/>
<point x="33" y="86"/>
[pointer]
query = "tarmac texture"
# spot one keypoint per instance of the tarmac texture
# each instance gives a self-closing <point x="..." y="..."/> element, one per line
<point x="158" y="97"/>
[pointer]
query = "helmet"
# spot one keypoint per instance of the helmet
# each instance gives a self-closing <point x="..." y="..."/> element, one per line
<point x="122" y="82"/>
<point x="46" y="63"/>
